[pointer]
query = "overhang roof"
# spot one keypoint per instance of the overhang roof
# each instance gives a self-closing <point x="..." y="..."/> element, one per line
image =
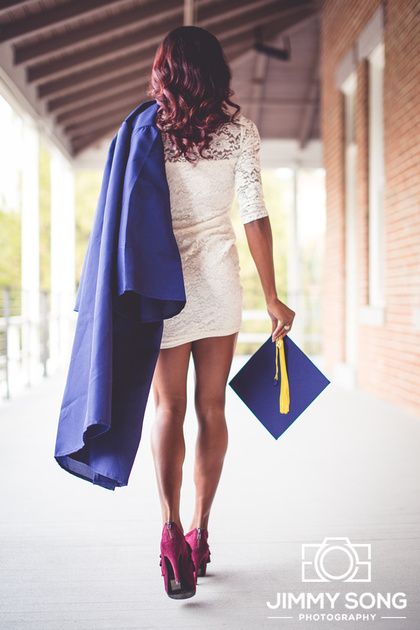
<point x="84" y="64"/>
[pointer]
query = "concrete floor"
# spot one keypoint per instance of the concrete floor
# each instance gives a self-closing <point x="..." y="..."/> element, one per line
<point x="75" y="555"/>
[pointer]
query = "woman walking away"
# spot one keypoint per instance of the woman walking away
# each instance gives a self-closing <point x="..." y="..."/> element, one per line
<point x="211" y="153"/>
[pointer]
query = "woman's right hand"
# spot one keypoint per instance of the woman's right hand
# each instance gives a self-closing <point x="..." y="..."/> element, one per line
<point x="281" y="317"/>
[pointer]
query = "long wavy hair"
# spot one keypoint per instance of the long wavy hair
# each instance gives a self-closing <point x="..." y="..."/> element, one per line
<point x="190" y="80"/>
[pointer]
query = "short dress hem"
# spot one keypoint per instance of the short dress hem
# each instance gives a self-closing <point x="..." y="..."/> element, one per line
<point x="201" y="335"/>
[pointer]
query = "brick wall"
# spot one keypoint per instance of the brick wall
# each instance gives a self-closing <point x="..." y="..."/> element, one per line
<point x="389" y="355"/>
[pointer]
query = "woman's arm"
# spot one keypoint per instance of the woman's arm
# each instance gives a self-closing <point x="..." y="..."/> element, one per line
<point x="260" y="241"/>
<point x="256" y="221"/>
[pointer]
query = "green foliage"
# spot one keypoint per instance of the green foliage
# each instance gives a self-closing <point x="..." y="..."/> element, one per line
<point x="44" y="217"/>
<point x="10" y="247"/>
<point x="87" y="187"/>
<point x="276" y="201"/>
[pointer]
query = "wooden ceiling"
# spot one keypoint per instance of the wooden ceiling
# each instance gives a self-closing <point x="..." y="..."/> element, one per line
<point x="86" y="63"/>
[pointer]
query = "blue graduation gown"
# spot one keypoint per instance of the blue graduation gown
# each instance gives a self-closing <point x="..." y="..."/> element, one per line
<point x="131" y="281"/>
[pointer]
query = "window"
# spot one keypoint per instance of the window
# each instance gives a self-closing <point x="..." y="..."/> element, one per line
<point x="376" y="181"/>
<point x="349" y="89"/>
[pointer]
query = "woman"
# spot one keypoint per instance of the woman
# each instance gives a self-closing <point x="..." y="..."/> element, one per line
<point x="210" y="153"/>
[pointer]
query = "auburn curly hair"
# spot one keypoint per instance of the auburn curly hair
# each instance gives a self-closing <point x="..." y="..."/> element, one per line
<point x="190" y="80"/>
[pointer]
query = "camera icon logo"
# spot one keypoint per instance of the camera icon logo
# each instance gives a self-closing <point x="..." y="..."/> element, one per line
<point x="336" y="560"/>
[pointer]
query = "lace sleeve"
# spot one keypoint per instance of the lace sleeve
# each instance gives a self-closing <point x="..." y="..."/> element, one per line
<point x="248" y="184"/>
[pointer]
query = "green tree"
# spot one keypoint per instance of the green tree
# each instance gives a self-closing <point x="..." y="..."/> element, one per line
<point x="44" y="217"/>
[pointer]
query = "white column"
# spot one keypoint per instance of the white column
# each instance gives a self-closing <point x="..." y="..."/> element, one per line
<point x="30" y="252"/>
<point x="62" y="259"/>
<point x="294" y="288"/>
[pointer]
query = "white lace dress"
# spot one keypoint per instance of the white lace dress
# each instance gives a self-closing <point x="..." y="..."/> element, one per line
<point x="201" y="196"/>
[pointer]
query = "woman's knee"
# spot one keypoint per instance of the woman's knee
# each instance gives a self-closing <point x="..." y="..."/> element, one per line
<point x="172" y="410"/>
<point x="210" y="408"/>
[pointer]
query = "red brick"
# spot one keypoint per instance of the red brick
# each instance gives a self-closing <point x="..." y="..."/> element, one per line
<point x="389" y="355"/>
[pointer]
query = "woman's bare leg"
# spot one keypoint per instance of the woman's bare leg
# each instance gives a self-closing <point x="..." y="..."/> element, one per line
<point x="212" y="360"/>
<point x="167" y="438"/>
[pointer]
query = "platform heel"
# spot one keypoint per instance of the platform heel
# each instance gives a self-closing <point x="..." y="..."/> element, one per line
<point x="197" y="539"/>
<point x="177" y="567"/>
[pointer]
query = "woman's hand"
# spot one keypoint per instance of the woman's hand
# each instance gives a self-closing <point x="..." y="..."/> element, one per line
<point x="281" y="316"/>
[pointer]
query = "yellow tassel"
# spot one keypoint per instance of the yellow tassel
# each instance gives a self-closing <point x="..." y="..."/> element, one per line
<point x="284" y="399"/>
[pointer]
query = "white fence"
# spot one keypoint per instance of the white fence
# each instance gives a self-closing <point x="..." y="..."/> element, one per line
<point x="30" y="349"/>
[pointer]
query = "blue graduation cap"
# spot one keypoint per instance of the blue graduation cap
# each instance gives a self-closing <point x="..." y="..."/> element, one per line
<point x="278" y="383"/>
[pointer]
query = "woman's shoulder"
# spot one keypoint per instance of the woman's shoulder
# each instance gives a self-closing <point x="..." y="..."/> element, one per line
<point x="244" y="128"/>
<point x="241" y="119"/>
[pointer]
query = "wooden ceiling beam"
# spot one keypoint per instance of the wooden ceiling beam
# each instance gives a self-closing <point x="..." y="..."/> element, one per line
<point x="134" y="41"/>
<point x="152" y="35"/>
<point x="78" y="145"/>
<point x="134" y="79"/>
<point x="130" y="17"/>
<point x="97" y="73"/>
<point x="81" y="117"/>
<point x="100" y="121"/>
<point x="74" y="115"/>
<point x="115" y="112"/>
<point x="95" y="91"/>
<point x="114" y="85"/>
<point x="5" y="5"/>
<point x="108" y="25"/>
<point x="57" y="14"/>
<point x="92" y="121"/>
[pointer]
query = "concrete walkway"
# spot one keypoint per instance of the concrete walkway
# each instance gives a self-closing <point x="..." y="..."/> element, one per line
<point x="75" y="555"/>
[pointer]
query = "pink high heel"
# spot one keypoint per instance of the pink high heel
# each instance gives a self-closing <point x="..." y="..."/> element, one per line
<point x="197" y="539"/>
<point x="176" y="563"/>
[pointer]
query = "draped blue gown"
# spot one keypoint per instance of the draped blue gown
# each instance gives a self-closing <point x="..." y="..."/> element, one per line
<point x="131" y="281"/>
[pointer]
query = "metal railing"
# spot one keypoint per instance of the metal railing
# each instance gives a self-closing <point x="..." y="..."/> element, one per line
<point x="307" y="327"/>
<point x="31" y="348"/>
<point x="26" y="353"/>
